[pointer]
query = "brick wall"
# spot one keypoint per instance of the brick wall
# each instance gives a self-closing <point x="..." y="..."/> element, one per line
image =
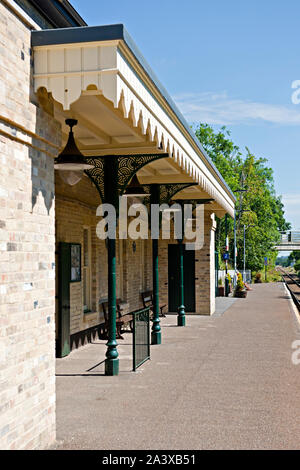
<point x="28" y="138"/>
<point x="205" y="269"/>
<point x="72" y="216"/>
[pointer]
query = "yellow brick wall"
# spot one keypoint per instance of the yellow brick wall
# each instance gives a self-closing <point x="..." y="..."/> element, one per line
<point x="71" y="218"/>
<point x="28" y="137"/>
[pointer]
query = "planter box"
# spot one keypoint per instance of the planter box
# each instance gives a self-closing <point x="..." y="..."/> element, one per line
<point x="221" y="291"/>
<point x="241" y="294"/>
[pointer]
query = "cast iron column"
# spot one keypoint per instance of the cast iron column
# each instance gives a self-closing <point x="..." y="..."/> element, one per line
<point x="226" y="260"/>
<point x="244" y="252"/>
<point x="181" y="308"/>
<point x="156" y="329"/>
<point x="112" y="197"/>
<point x="234" y="256"/>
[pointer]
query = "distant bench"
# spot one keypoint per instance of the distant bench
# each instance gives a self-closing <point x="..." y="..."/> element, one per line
<point x="121" y="320"/>
<point x="147" y="297"/>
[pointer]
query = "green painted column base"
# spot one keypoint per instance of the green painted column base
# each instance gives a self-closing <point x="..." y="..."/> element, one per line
<point x="155" y="337"/>
<point x="181" y="316"/>
<point x="111" y="366"/>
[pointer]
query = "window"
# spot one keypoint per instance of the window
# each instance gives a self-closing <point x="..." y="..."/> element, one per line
<point x="86" y="271"/>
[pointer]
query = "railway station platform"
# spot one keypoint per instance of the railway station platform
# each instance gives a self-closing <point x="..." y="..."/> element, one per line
<point x="222" y="382"/>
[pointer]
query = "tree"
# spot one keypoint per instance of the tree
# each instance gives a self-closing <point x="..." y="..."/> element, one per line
<point x="283" y="261"/>
<point x="265" y="210"/>
<point x="294" y="257"/>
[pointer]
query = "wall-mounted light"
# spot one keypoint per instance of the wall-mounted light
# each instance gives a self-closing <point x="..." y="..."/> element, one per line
<point x="70" y="162"/>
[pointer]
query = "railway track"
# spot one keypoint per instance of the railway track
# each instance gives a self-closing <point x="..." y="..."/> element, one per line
<point x="292" y="282"/>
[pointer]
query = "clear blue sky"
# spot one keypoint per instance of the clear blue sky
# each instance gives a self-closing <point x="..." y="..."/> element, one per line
<point x="225" y="62"/>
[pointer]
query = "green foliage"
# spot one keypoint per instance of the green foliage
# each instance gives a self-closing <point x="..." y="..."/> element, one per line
<point x="293" y="257"/>
<point x="265" y="211"/>
<point x="283" y="261"/>
<point x="272" y="275"/>
<point x="297" y="266"/>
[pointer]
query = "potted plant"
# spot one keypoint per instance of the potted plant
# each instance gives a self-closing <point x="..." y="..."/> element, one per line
<point x="257" y="279"/>
<point x="240" y="290"/>
<point x="228" y="282"/>
<point x="221" y="288"/>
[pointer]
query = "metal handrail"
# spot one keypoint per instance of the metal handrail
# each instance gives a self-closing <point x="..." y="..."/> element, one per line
<point x="290" y="236"/>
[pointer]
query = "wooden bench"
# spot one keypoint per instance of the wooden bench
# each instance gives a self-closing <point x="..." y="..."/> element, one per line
<point x="147" y="298"/>
<point x="121" y="320"/>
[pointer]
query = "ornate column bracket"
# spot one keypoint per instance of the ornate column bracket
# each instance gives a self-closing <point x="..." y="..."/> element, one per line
<point x="166" y="191"/>
<point x="127" y="166"/>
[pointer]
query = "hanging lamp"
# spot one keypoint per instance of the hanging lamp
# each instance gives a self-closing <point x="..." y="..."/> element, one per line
<point x="135" y="189"/>
<point x="70" y="162"/>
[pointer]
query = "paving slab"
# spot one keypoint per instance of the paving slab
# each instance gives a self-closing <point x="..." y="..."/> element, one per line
<point x="222" y="382"/>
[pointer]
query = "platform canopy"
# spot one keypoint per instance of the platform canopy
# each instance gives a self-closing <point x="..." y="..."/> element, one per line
<point x="98" y="76"/>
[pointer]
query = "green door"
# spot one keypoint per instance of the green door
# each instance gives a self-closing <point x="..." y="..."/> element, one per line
<point x="174" y="278"/>
<point x="64" y="269"/>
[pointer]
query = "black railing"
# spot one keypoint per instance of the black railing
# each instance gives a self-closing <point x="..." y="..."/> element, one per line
<point x="141" y="337"/>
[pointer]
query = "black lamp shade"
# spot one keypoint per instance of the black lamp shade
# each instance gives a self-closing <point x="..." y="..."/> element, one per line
<point x="135" y="189"/>
<point x="71" y="158"/>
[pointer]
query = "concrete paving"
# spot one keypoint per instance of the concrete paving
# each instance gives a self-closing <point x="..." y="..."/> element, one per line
<point x="223" y="304"/>
<point x="222" y="382"/>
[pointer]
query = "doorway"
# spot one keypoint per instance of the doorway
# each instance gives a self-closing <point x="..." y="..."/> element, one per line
<point x="174" y="278"/>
